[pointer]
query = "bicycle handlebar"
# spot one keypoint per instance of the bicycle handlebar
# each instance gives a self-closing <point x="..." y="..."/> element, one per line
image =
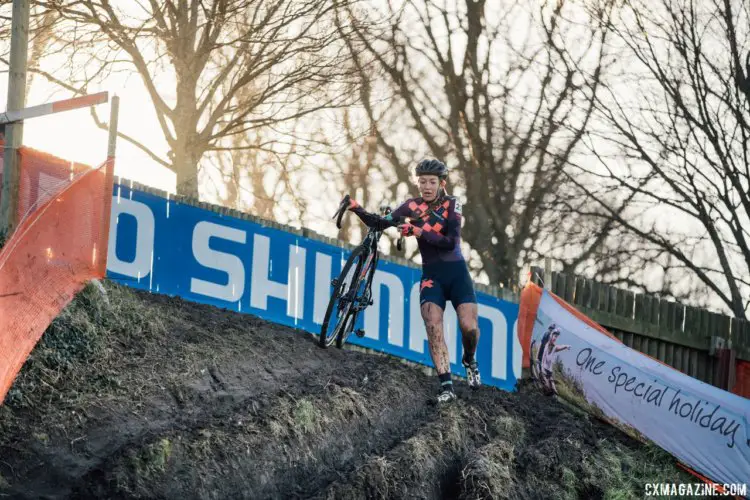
<point x="344" y="205"/>
<point x="340" y="212"/>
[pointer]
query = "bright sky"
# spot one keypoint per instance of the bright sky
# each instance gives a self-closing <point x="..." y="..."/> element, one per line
<point x="73" y="135"/>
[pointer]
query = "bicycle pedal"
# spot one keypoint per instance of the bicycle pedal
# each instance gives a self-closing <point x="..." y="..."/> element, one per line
<point x="359" y="333"/>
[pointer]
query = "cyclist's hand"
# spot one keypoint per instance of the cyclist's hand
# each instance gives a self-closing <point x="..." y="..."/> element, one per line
<point x="352" y="204"/>
<point x="409" y="230"/>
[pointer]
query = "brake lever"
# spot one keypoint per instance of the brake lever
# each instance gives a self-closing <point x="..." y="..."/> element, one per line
<point x="400" y="241"/>
<point x="340" y="212"/>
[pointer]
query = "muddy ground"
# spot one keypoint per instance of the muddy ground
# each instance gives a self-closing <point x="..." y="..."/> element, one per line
<point x="146" y="396"/>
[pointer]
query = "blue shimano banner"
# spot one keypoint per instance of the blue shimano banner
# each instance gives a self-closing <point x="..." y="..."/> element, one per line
<point x="164" y="246"/>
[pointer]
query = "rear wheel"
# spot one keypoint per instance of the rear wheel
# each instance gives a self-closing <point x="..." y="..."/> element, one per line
<point x="337" y="317"/>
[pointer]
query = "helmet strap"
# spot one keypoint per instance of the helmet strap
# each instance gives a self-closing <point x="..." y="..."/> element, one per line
<point x="443" y="191"/>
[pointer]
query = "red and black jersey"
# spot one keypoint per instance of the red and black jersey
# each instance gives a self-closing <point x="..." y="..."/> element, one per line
<point x="441" y="228"/>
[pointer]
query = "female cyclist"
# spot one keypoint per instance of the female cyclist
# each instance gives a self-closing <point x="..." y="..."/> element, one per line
<point x="435" y="221"/>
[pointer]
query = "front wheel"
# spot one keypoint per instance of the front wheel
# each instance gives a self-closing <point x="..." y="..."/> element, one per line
<point x="340" y="306"/>
<point x="361" y="293"/>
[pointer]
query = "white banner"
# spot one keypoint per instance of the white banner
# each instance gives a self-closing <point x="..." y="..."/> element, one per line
<point x="703" y="426"/>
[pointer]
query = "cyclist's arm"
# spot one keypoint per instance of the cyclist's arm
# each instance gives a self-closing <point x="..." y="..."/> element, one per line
<point x="452" y="230"/>
<point x="402" y="210"/>
<point x="373" y="220"/>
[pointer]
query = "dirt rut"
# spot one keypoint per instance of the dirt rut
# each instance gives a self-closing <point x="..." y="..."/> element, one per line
<point x="228" y="406"/>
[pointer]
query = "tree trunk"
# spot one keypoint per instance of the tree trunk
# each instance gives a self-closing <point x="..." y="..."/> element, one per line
<point x="185" y="165"/>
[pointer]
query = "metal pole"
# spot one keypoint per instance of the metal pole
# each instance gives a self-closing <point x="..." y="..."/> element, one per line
<point x="19" y="43"/>
<point x="114" y="114"/>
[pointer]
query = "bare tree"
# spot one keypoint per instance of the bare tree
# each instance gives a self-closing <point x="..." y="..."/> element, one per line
<point x="196" y="58"/>
<point x="672" y="133"/>
<point x="5" y="25"/>
<point x="506" y="107"/>
<point x="41" y="31"/>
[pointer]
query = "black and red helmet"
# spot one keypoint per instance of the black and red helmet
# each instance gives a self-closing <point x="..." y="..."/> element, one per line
<point x="431" y="167"/>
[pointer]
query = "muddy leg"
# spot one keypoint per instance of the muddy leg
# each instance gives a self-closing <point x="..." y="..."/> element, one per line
<point x="432" y="315"/>
<point x="468" y="320"/>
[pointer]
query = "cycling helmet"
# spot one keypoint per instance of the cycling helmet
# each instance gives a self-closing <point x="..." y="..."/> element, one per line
<point x="431" y="167"/>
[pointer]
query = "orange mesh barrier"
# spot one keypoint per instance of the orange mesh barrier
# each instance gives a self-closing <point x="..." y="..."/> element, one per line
<point x="530" y="297"/>
<point x="42" y="175"/>
<point x="59" y="246"/>
<point x="742" y="382"/>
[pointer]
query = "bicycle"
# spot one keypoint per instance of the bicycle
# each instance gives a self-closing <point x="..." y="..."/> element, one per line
<point x="352" y="291"/>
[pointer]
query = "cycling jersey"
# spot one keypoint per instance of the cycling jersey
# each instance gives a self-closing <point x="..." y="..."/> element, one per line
<point x="441" y="228"/>
<point x="445" y="275"/>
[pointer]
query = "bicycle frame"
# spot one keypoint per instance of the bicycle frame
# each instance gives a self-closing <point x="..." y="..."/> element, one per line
<point x="351" y="297"/>
<point x="370" y="246"/>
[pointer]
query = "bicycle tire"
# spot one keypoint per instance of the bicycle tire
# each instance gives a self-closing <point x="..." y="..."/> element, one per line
<point x="324" y="340"/>
<point x="344" y="334"/>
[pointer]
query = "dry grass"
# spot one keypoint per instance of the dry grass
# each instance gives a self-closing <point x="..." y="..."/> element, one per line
<point x="99" y="352"/>
<point x="489" y="470"/>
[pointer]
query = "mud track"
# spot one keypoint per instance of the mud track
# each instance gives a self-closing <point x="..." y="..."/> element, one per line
<point x="234" y="407"/>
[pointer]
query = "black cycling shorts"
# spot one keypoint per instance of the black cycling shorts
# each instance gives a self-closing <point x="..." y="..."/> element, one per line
<point x="445" y="281"/>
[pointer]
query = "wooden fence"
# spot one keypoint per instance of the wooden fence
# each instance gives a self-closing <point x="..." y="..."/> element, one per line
<point x="697" y="342"/>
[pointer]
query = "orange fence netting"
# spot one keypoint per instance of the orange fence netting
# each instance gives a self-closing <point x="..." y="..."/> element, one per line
<point x="59" y="244"/>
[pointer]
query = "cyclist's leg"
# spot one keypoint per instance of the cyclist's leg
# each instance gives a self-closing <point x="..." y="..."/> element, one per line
<point x="432" y="307"/>
<point x="468" y="321"/>
<point x="432" y="314"/>
<point x="548" y="380"/>
<point x="532" y="360"/>
<point x="464" y="300"/>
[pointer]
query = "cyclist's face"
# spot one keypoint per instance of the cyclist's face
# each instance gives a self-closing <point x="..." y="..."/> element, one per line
<point x="429" y="185"/>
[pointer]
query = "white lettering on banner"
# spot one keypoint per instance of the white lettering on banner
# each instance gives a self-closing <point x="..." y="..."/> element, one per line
<point x="394" y="307"/>
<point x="418" y="333"/>
<point x="499" y="340"/>
<point x="323" y="264"/>
<point x="221" y="261"/>
<point x="144" y="238"/>
<point x="263" y="287"/>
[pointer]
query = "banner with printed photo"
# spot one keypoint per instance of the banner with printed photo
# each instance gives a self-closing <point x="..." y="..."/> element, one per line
<point x="703" y="426"/>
